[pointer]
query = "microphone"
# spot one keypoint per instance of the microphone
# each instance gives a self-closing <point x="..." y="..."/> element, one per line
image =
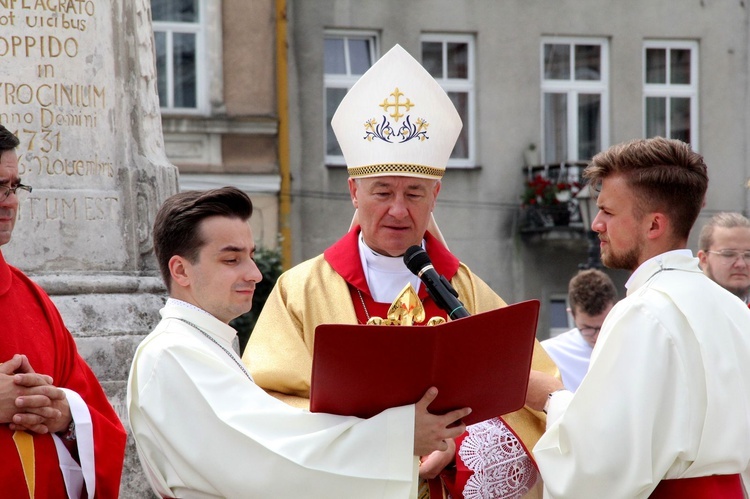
<point x="438" y="287"/>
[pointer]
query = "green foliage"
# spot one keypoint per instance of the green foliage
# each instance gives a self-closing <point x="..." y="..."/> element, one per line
<point x="269" y="263"/>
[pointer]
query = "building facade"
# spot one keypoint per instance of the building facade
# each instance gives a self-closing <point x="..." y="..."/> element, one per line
<point x="541" y="86"/>
<point x="216" y="64"/>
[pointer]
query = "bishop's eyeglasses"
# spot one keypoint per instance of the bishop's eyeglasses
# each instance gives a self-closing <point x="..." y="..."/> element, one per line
<point x="728" y="256"/>
<point x="6" y="189"/>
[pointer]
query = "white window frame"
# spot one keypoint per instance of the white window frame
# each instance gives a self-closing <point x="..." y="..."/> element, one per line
<point x="347" y="80"/>
<point x="670" y="90"/>
<point x="572" y="88"/>
<point x="199" y="29"/>
<point x="467" y="85"/>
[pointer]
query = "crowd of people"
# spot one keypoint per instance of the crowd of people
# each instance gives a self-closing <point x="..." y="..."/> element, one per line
<point x="646" y="396"/>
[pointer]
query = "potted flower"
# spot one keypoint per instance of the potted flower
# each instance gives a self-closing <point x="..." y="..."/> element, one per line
<point x="546" y="202"/>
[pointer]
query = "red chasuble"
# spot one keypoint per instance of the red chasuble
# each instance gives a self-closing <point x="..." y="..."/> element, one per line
<point x="32" y="326"/>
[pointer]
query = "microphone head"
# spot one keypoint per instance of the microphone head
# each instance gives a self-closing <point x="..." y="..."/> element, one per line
<point x="416" y="259"/>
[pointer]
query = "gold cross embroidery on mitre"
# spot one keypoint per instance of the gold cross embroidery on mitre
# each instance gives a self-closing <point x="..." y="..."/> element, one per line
<point x="396" y="104"/>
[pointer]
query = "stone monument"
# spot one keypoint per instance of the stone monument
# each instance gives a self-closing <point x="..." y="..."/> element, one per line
<point x="78" y="88"/>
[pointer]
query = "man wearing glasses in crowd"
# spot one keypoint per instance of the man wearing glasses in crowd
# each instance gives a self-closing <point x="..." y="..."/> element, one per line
<point x="591" y="295"/>
<point x="59" y="435"/>
<point x="724" y="253"/>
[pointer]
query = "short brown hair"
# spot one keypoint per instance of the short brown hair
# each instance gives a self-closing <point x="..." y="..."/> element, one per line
<point x="665" y="175"/>
<point x="726" y="220"/>
<point x="591" y="291"/>
<point x="176" y="228"/>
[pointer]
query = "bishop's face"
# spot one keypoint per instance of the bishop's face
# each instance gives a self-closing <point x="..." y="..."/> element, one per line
<point x="393" y="211"/>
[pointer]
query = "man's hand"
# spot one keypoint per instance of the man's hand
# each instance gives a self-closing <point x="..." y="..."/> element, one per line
<point x="431" y="431"/>
<point x="9" y="389"/>
<point x="29" y="401"/>
<point x="431" y="466"/>
<point x="540" y="386"/>
<point x="43" y="409"/>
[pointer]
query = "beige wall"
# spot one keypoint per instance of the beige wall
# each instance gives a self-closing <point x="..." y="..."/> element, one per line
<point x="236" y="142"/>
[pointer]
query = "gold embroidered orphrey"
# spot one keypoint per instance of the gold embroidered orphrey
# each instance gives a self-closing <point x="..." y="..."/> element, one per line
<point x="405" y="310"/>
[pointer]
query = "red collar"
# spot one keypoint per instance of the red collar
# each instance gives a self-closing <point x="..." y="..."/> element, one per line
<point x="343" y="256"/>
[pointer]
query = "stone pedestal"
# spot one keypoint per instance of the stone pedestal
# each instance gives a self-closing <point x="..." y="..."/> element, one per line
<point x="78" y="88"/>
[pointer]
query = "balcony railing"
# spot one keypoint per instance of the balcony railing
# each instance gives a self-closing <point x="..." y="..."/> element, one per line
<point x="549" y="202"/>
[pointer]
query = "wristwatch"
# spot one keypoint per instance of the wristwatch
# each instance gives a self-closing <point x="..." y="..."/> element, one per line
<point x="70" y="435"/>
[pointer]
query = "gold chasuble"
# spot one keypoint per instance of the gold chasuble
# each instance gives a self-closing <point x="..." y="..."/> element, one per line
<point x="332" y="289"/>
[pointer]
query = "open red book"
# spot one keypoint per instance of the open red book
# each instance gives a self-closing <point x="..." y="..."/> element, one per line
<point x="481" y="361"/>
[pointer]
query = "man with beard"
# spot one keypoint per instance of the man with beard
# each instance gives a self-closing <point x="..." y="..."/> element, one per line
<point x="664" y="410"/>
<point x="724" y="253"/>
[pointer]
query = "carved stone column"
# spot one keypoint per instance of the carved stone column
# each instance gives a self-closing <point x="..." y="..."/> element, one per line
<point x="78" y="87"/>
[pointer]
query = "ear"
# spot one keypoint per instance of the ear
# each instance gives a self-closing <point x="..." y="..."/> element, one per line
<point x="353" y="192"/>
<point x="435" y="192"/>
<point x="179" y="270"/>
<point x="658" y="225"/>
<point x="702" y="257"/>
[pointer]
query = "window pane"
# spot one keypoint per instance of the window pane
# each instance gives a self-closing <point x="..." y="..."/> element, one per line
<point x="679" y="114"/>
<point x="588" y="62"/>
<point x="656" y="66"/>
<point x="160" y="40"/>
<point x="458" y="60"/>
<point x="679" y="65"/>
<point x="185" y="11"/>
<point x="656" y="117"/>
<point x="334" y="56"/>
<point x="589" y="125"/>
<point x="461" y="101"/>
<point x="555" y="128"/>
<point x="359" y="56"/>
<point x="558" y="313"/>
<point x="556" y="62"/>
<point x="185" y="88"/>
<point x="334" y="96"/>
<point x="432" y="58"/>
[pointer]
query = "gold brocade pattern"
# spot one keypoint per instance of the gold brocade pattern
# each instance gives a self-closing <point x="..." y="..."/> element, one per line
<point x="395" y="168"/>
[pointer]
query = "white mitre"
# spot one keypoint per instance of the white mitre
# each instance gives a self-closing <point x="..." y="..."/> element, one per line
<point x="396" y="120"/>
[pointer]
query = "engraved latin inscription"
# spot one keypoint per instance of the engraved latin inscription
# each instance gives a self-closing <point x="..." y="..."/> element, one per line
<point x="55" y="96"/>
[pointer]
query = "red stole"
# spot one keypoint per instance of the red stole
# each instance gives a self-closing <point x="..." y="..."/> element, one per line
<point x="703" y="487"/>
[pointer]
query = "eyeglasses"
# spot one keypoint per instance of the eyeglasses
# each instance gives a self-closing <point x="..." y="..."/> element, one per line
<point x="589" y="332"/>
<point x="6" y="189"/>
<point x="731" y="256"/>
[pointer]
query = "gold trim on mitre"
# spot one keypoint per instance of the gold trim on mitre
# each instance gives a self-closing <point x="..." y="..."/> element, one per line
<point x="396" y="169"/>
